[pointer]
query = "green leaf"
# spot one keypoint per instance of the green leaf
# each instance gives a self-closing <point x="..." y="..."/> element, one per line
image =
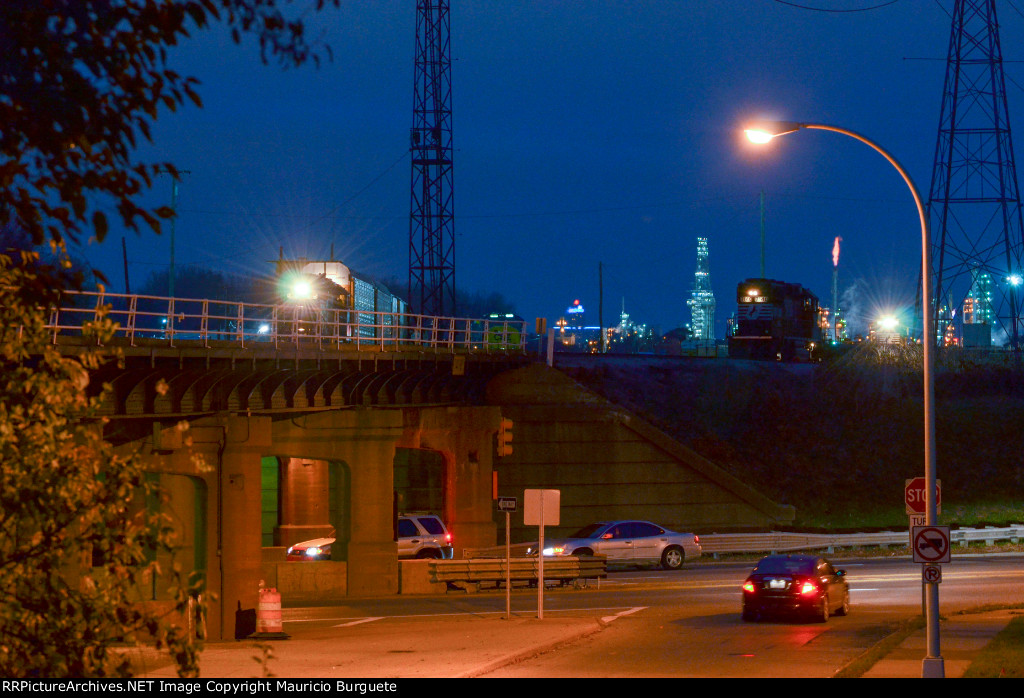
<point x="99" y="224"/>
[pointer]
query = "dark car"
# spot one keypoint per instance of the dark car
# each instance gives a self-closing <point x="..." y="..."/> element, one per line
<point x="795" y="585"/>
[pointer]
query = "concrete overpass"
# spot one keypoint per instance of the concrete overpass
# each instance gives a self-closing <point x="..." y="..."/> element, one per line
<point x="266" y="428"/>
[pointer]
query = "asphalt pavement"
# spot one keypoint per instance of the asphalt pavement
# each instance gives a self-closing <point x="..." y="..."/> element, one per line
<point x="471" y="646"/>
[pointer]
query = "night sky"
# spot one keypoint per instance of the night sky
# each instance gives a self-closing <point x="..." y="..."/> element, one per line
<point x="585" y="133"/>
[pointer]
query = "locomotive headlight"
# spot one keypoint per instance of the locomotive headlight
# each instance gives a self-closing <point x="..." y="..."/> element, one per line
<point x="301" y="290"/>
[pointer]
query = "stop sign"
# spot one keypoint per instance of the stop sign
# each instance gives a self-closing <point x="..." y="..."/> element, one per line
<point x="915" y="493"/>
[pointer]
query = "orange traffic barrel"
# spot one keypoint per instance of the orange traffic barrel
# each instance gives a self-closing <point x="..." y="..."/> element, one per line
<point x="268" y="616"/>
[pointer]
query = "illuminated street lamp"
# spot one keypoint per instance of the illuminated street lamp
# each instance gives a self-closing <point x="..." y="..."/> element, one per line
<point x="764" y="132"/>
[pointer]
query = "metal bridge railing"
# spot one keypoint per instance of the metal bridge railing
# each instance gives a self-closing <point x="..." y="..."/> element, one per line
<point x="168" y="320"/>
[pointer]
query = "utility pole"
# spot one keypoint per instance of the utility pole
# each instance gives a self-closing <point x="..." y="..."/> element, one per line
<point x="762" y="235"/>
<point x="174" y="208"/>
<point x="600" y="303"/>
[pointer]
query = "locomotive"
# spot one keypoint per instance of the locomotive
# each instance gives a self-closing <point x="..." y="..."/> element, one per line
<point x="776" y="321"/>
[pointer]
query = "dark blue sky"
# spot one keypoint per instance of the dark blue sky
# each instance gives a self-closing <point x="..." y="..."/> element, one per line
<point x="585" y="133"/>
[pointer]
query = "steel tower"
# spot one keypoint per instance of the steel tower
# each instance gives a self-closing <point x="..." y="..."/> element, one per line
<point x="431" y="220"/>
<point x="974" y="204"/>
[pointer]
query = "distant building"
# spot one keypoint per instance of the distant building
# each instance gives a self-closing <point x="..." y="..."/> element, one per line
<point x="702" y="298"/>
<point x="573" y="334"/>
<point x="978" y="314"/>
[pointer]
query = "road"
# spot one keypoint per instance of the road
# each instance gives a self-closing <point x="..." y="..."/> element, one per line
<point x="687" y="623"/>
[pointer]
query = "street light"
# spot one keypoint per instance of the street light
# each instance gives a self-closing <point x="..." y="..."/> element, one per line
<point x="764" y="132"/>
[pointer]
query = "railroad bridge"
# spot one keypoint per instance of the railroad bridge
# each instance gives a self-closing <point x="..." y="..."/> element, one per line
<point x="267" y="426"/>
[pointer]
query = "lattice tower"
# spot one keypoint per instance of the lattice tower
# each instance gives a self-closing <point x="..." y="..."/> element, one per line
<point x="431" y="219"/>
<point x="974" y="203"/>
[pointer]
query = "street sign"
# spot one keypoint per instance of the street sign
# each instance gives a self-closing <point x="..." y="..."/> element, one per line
<point x="931" y="574"/>
<point x="507" y="503"/>
<point x="914" y="495"/>
<point x="541" y="507"/>
<point x="931" y="544"/>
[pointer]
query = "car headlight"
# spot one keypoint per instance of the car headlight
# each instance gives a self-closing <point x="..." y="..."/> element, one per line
<point x="312" y="551"/>
<point x="557" y="550"/>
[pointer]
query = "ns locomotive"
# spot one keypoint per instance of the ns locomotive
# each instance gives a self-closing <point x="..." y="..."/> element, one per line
<point x="776" y="321"/>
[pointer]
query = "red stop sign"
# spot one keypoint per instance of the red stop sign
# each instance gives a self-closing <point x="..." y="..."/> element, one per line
<point x="915" y="495"/>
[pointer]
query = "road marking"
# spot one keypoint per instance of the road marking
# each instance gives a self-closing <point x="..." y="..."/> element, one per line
<point x="357" y="621"/>
<point x="609" y="619"/>
<point x="360" y="621"/>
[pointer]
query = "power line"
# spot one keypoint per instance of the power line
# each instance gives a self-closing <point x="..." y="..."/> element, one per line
<point x="833" y="11"/>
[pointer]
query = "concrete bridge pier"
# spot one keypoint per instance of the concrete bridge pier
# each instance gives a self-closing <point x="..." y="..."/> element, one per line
<point x="361" y="443"/>
<point x="348" y="455"/>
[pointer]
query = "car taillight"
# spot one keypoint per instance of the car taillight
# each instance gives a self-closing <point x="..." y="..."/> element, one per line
<point x="748" y="587"/>
<point x="696" y="539"/>
<point x="447" y="538"/>
<point x="809" y="588"/>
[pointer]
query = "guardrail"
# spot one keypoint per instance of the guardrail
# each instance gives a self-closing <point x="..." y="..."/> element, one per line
<point x="167" y="320"/>
<point x="485" y="570"/>
<point x="721" y="543"/>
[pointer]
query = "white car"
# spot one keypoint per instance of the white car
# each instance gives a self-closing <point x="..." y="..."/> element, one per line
<point x="628" y="543"/>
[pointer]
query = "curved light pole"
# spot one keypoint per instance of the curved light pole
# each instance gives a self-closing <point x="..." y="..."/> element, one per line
<point x="765" y="131"/>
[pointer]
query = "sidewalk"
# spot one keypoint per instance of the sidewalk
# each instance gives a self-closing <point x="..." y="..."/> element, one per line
<point x="457" y="648"/>
<point x="961" y="638"/>
<point x="463" y="648"/>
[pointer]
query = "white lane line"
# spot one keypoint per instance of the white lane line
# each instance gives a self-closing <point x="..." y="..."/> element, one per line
<point x="518" y="612"/>
<point x="609" y="619"/>
<point x="357" y="622"/>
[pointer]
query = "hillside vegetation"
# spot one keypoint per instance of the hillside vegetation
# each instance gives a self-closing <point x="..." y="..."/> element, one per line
<point x="837" y="440"/>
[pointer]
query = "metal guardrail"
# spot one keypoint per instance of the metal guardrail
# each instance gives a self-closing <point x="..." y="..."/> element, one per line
<point x="498" y="551"/>
<point x="720" y="543"/>
<point x="480" y="570"/>
<point x="167" y="320"/>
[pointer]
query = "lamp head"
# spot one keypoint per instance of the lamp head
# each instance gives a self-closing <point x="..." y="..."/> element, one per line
<point x="764" y="131"/>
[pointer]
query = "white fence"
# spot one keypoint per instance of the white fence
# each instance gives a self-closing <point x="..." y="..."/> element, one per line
<point x="167" y="320"/>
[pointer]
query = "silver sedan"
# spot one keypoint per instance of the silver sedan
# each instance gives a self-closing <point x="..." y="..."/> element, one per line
<point x="628" y="543"/>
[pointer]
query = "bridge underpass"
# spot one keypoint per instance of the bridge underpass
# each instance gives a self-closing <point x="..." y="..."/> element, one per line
<point x="208" y="418"/>
<point x="212" y="416"/>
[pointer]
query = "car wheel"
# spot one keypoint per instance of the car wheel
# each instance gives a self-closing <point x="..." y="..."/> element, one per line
<point x="583" y="552"/>
<point x="845" y="608"/>
<point x="749" y="616"/>
<point x="822" y="615"/>
<point x="429" y="554"/>
<point x="672" y="558"/>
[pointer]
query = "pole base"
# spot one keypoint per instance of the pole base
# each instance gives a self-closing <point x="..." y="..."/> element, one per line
<point x="933" y="668"/>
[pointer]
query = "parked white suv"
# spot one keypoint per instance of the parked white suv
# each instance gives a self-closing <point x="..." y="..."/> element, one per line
<point x="423" y="536"/>
<point x="419" y="536"/>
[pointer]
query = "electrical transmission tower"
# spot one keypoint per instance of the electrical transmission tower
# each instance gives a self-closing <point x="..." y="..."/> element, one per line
<point x="974" y="204"/>
<point x="431" y="220"/>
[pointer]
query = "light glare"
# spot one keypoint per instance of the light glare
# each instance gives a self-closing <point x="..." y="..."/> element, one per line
<point x="758" y="136"/>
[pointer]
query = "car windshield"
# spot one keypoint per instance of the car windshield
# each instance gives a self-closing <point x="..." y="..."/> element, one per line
<point x="589" y="531"/>
<point x="784" y="565"/>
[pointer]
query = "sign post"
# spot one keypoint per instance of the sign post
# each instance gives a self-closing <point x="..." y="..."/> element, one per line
<point x="930" y="545"/>
<point x="507" y="505"/>
<point x="541" y="508"/>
